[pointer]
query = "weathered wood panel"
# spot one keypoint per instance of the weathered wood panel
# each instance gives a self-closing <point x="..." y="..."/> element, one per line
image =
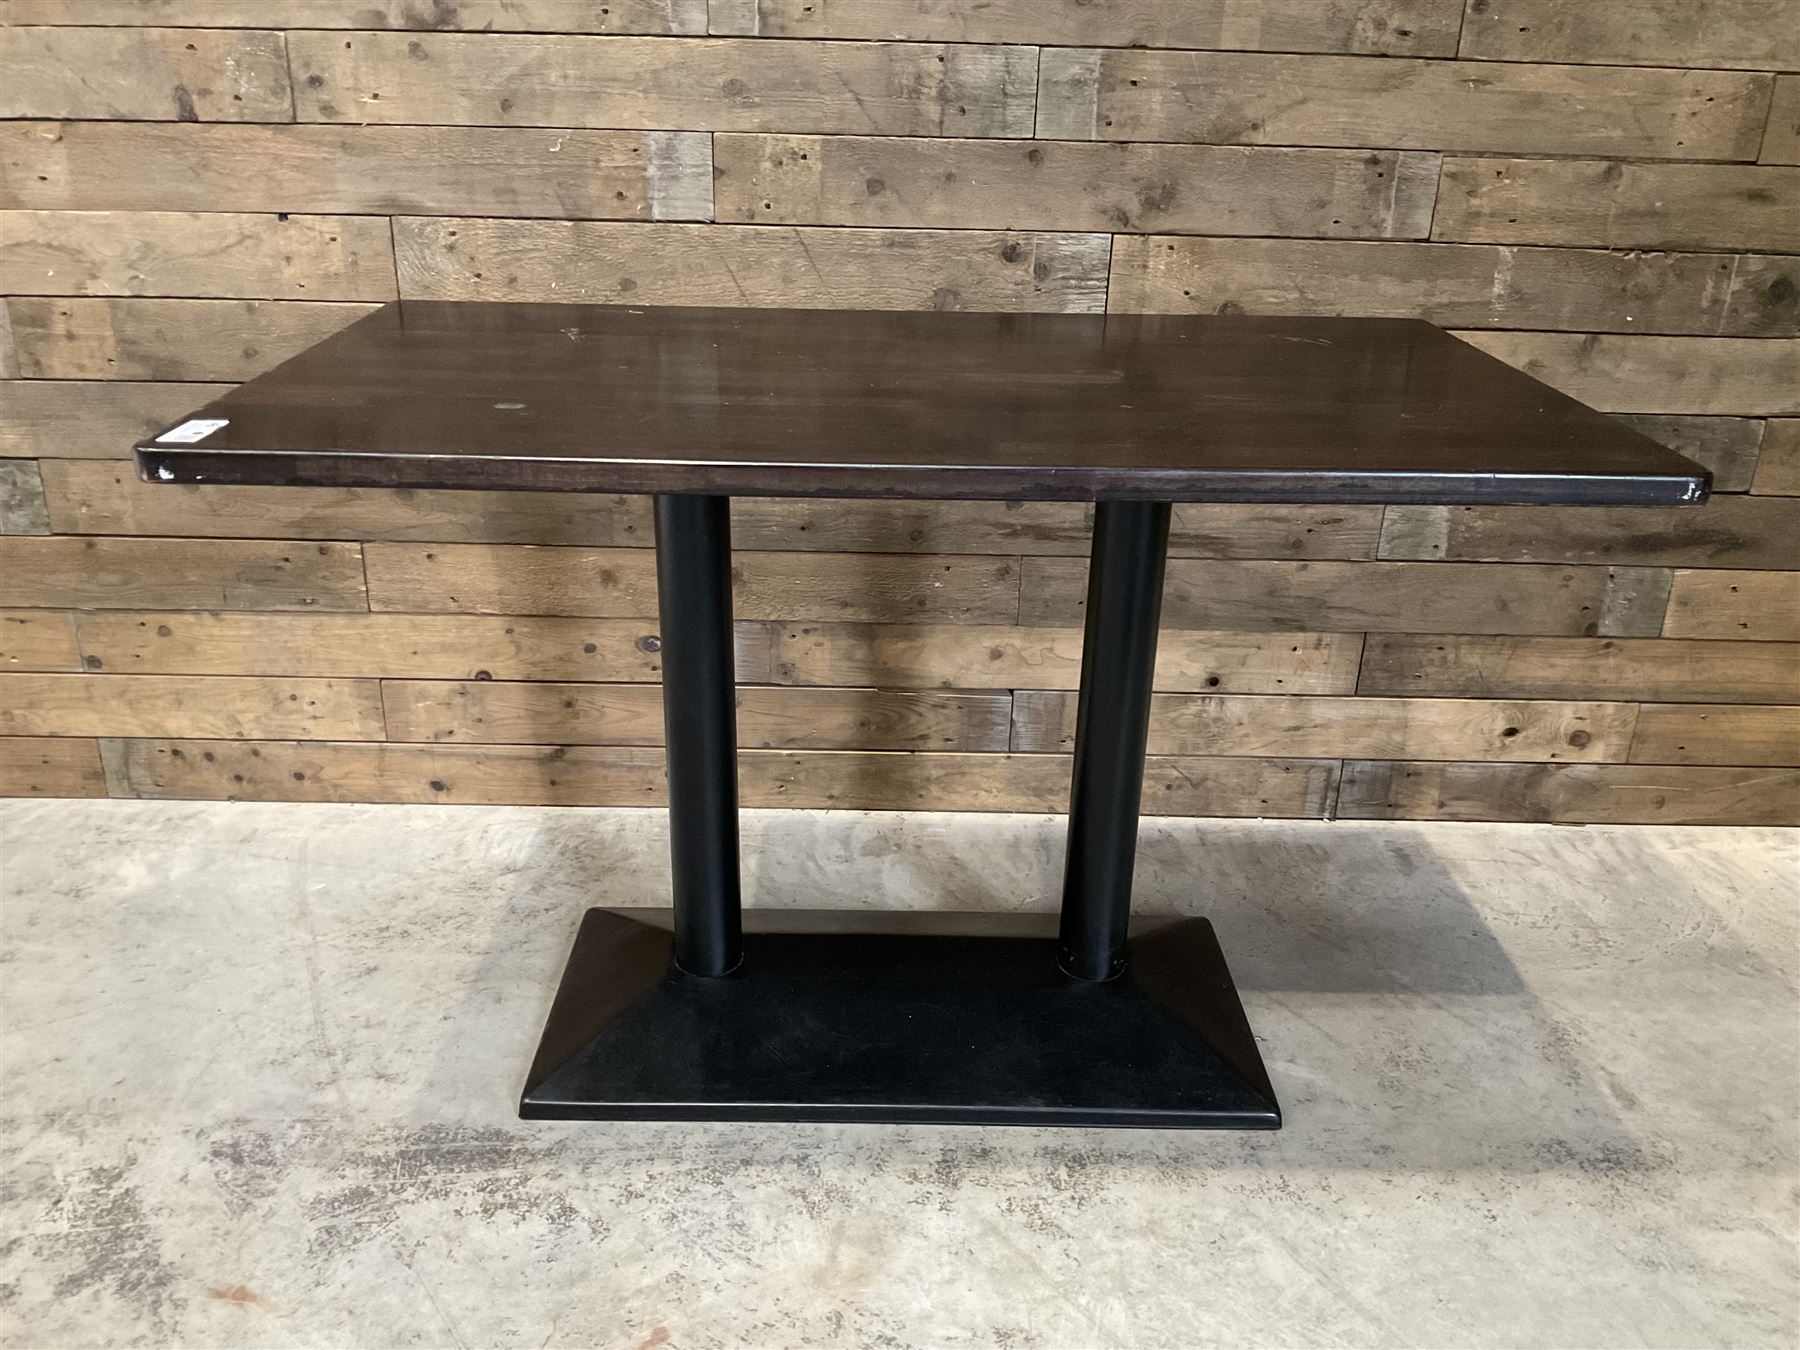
<point x="1781" y="141"/>
<point x="180" y="253"/>
<point x="1383" y="27"/>
<point x="1573" y="794"/>
<point x="621" y="583"/>
<point x="485" y="171"/>
<point x="228" y="707"/>
<point x="1387" y="728"/>
<point x="1694" y="733"/>
<point x="65" y="573"/>
<point x="675" y="84"/>
<point x="91" y="419"/>
<point x="437" y="646"/>
<point x="1778" y="466"/>
<point x="159" y="75"/>
<point x="1731" y="531"/>
<point x="1256" y="99"/>
<point x="22" y="506"/>
<point x="1740" y="376"/>
<point x="1037" y="185"/>
<point x="1726" y="445"/>
<point x="1392" y="597"/>
<point x="550" y="16"/>
<point x="1611" y="203"/>
<point x="1651" y="669"/>
<point x="133" y="339"/>
<point x="1741" y="34"/>
<point x="1456" y="285"/>
<point x="491" y="712"/>
<point x="1761" y="606"/>
<point x="35" y="640"/>
<point x="50" y="767"/>
<point x="592" y="262"/>
<point x="625" y="776"/>
<point x="964" y="656"/>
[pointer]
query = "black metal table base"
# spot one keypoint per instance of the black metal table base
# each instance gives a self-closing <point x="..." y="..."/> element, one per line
<point x="879" y="1021"/>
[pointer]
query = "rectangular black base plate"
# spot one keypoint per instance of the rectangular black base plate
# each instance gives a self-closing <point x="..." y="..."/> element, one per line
<point x="868" y="1017"/>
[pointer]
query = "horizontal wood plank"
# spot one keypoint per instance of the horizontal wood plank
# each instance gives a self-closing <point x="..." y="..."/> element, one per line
<point x="22" y="506"/>
<point x="1389" y="597"/>
<point x="143" y="339"/>
<point x="183" y="253"/>
<point x="952" y="656"/>
<point x="1781" y="140"/>
<point x="482" y="171"/>
<point x="524" y="16"/>
<point x="625" y="776"/>
<point x="158" y="74"/>
<point x="1611" y="203"/>
<point x="674" y="84"/>
<point x="1258" y="99"/>
<point x="32" y="766"/>
<point x="1728" y="531"/>
<point x="1457" y="285"/>
<point x="1778" y="466"/>
<point x="254" y="574"/>
<point x="664" y="264"/>
<point x="492" y="712"/>
<point x="226" y="707"/>
<point x="1037" y="185"/>
<point x="1570" y="794"/>
<point x="621" y="583"/>
<point x="91" y="419"/>
<point x="1650" y="669"/>
<point x="1695" y="733"/>
<point x="1738" y="34"/>
<point x="1758" y="606"/>
<point x="37" y="640"/>
<point x="1383" y="27"/>
<point x="1737" y="376"/>
<point x="1728" y="446"/>
<point x="1409" y="728"/>
<point x="436" y="646"/>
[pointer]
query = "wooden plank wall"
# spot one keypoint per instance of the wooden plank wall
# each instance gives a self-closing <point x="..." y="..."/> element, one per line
<point x="1606" y="194"/>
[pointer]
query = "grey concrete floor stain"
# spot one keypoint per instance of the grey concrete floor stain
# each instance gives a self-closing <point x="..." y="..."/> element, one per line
<point x="261" y="1065"/>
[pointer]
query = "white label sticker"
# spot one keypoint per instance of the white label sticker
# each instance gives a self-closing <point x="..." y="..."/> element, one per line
<point x="195" y="429"/>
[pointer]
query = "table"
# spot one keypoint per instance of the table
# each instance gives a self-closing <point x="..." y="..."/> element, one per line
<point x="974" y="1018"/>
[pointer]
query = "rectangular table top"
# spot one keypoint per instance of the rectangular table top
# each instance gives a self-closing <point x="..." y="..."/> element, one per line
<point x="829" y="403"/>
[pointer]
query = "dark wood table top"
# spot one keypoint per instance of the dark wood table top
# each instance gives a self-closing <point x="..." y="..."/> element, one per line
<point x="826" y="403"/>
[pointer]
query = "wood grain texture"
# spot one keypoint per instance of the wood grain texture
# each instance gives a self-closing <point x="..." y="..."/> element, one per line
<point x="36" y="640"/>
<point x="159" y="75"/>
<point x="675" y="84"/>
<point x="1778" y="466"/>
<point x="22" y="506"/>
<point x="141" y="339"/>
<point x="624" y="776"/>
<point x="1761" y="606"/>
<point x="923" y="656"/>
<point x="1388" y="728"/>
<point x="486" y="171"/>
<point x="1651" y="669"/>
<point x="1694" y="733"/>
<point x="1258" y="99"/>
<point x="1739" y="376"/>
<point x="33" y="766"/>
<point x="621" y="583"/>
<point x="1740" y="34"/>
<point x="1382" y="27"/>
<point x="1386" y="597"/>
<point x="525" y="16"/>
<point x="1459" y="285"/>
<point x="66" y="573"/>
<point x="437" y="646"/>
<point x="226" y="707"/>
<point x="1781" y="140"/>
<point x="1036" y="185"/>
<point x="91" y="419"/>
<point x="1611" y="203"/>
<point x="493" y="712"/>
<point x="1570" y="794"/>
<point x="180" y="253"/>
<point x="1728" y="531"/>
<point x="590" y="262"/>
<point x="1727" y="446"/>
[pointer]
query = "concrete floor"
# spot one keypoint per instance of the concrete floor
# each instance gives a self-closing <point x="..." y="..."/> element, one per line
<point x="1542" y="1089"/>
